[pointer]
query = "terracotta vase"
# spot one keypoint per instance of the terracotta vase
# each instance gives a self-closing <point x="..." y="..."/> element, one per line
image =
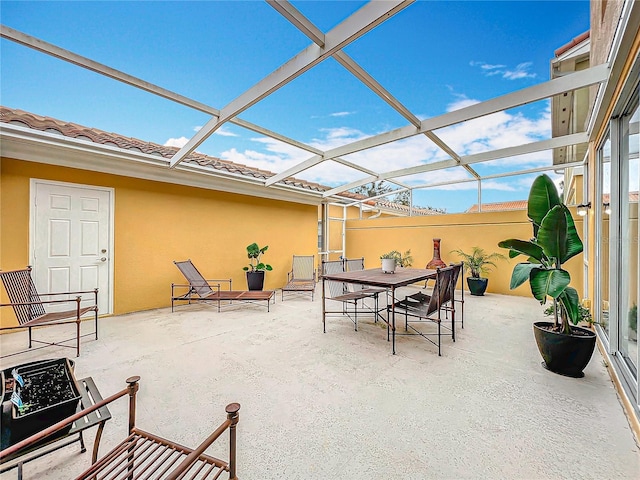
<point x="436" y="261"/>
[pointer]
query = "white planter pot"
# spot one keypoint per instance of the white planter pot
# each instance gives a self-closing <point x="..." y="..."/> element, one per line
<point x="388" y="265"/>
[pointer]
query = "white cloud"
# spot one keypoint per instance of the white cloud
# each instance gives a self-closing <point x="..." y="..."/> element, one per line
<point x="486" y="66"/>
<point x="520" y="71"/>
<point x="176" y="142"/>
<point x="223" y="132"/>
<point x="461" y="102"/>
<point x="499" y="130"/>
<point x="341" y="114"/>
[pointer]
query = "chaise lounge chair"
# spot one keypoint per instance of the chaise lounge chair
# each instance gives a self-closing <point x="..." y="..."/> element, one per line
<point x="302" y="277"/>
<point x="200" y="289"/>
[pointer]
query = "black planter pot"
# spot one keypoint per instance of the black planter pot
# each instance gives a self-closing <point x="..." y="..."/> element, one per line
<point x="255" y="280"/>
<point x="564" y="354"/>
<point x="477" y="286"/>
<point x="50" y="393"/>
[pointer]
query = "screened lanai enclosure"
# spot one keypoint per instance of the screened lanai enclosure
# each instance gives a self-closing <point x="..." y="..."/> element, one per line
<point x="447" y="161"/>
<point x="328" y="129"/>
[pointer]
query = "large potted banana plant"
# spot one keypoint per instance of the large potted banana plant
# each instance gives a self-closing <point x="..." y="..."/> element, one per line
<point x="565" y="347"/>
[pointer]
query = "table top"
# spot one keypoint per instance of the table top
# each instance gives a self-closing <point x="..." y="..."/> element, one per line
<point x="376" y="277"/>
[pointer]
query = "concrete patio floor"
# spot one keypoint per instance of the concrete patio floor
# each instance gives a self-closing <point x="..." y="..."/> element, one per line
<point x="339" y="405"/>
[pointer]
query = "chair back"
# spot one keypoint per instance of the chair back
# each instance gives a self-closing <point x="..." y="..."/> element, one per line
<point x="330" y="267"/>
<point x="441" y="290"/>
<point x="303" y="267"/>
<point x="21" y="289"/>
<point x="196" y="281"/>
<point x="455" y="274"/>
<point x="354" y="265"/>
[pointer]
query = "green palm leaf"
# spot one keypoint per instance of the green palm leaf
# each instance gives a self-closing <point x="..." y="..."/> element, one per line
<point x="570" y="301"/>
<point x="574" y="244"/>
<point x="521" y="273"/>
<point x="552" y="235"/>
<point x="548" y="283"/>
<point x="543" y="196"/>
<point x="521" y="247"/>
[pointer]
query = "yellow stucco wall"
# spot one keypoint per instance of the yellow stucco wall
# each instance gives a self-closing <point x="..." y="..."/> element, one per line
<point x="371" y="238"/>
<point x="156" y="223"/>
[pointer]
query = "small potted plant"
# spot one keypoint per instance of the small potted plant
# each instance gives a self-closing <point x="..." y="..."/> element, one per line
<point x="389" y="261"/>
<point x="255" y="270"/>
<point x="565" y="347"/>
<point x="394" y="259"/>
<point x="478" y="263"/>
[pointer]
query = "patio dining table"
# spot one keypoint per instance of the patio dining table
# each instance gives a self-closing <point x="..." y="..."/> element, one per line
<point x="375" y="277"/>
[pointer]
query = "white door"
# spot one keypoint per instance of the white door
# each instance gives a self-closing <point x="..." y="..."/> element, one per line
<point x="71" y="239"/>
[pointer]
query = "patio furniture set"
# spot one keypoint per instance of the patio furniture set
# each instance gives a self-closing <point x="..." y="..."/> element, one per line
<point x="141" y="454"/>
<point x="345" y="281"/>
<point x="30" y="306"/>
<point x="350" y="286"/>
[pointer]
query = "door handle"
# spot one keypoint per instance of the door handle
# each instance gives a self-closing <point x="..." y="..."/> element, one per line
<point x="103" y="259"/>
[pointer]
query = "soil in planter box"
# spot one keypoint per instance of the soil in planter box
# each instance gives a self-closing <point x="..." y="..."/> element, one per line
<point x="44" y="388"/>
<point x="49" y="394"/>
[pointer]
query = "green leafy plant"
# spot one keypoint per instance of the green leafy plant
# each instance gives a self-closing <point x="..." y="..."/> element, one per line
<point x="479" y="262"/>
<point x="555" y="240"/>
<point x="633" y="317"/>
<point x="402" y="260"/>
<point x="254" y="253"/>
<point x="585" y="314"/>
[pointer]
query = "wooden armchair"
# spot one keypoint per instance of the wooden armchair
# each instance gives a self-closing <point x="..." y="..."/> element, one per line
<point x="145" y="455"/>
<point x="29" y="307"/>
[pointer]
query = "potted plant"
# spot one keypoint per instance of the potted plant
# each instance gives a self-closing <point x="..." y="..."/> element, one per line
<point x="565" y="347"/>
<point x="255" y="270"/>
<point x="394" y="259"/>
<point x="478" y="263"/>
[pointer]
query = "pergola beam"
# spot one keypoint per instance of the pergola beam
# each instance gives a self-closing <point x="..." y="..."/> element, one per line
<point x="503" y="175"/>
<point x="507" y="152"/>
<point x="527" y="95"/>
<point x="359" y="23"/>
<point x="84" y="62"/>
<point x="301" y="22"/>
<point x="101" y="69"/>
<point x="467" y="180"/>
<point x="311" y="31"/>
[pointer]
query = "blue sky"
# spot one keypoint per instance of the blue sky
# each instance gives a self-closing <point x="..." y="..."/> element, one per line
<point x="433" y="56"/>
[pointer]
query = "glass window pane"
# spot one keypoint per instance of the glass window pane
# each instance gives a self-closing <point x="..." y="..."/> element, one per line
<point x="603" y="247"/>
<point x="629" y="238"/>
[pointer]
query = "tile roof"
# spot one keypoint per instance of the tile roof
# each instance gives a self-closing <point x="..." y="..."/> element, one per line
<point x="575" y="41"/>
<point x="79" y="132"/>
<point x="499" y="206"/>
<point x="94" y="135"/>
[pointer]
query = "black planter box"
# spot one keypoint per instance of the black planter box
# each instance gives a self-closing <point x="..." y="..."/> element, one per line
<point x="37" y="377"/>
